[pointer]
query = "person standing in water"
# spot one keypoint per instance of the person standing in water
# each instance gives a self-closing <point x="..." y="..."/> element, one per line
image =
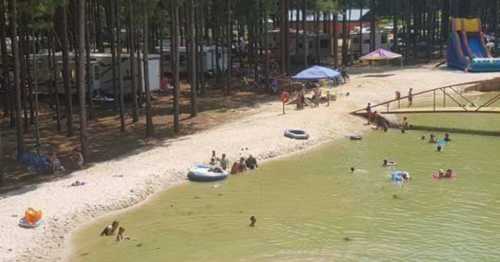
<point x="432" y="139"/>
<point x="410" y="97"/>
<point x="223" y="162"/>
<point x="447" y="137"/>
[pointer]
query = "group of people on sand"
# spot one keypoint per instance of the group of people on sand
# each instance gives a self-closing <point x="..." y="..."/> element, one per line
<point x="241" y="165"/>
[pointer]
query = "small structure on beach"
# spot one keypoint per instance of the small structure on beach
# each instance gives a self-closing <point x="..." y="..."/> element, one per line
<point x="316" y="73"/>
<point x="381" y="55"/>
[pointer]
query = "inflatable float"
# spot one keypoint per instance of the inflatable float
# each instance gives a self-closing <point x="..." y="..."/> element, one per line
<point x="32" y="218"/>
<point x="296" y="134"/>
<point x="400" y="176"/>
<point x="206" y="173"/>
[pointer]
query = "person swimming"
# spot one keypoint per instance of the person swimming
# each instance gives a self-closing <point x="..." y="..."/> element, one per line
<point x="353" y="169"/>
<point x="449" y="173"/>
<point x="447" y="137"/>
<point x="439" y="148"/>
<point x="432" y="139"/>
<point x="253" y="220"/>
<point x="387" y="163"/>
<point x="441" y="173"/>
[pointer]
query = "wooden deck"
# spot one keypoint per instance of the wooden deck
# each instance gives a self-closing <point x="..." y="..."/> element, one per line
<point x="427" y="110"/>
<point x="446" y="99"/>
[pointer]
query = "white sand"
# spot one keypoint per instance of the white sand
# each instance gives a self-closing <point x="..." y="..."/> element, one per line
<point x="127" y="181"/>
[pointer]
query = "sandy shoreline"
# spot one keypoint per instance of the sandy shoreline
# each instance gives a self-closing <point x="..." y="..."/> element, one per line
<point x="127" y="181"/>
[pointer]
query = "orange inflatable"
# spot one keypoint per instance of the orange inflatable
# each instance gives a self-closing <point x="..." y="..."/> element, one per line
<point x="32" y="216"/>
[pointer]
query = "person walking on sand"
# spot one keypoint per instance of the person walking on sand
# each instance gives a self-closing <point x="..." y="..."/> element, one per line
<point x="410" y="97"/>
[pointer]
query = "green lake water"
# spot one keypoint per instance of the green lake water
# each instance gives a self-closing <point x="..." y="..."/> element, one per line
<point x="310" y="207"/>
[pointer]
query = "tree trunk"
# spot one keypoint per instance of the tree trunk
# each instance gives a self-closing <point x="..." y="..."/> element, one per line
<point x="361" y="29"/>
<point x="345" y="31"/>
<point x="5" y="61"/>
<point x="145" y="58"/>
<point x="395" y="25"/>
<point x="229" y="48"/>
<point x="373" y="27"/>
<point x="305" y="40"/>
<point x="192" y="58"/>
<point x="98" y="25"/>
<point x="82" y="87"/>
<point x="284" y="36"/>
<point x="335" y="41"/>
<point x="17" y="84"/>
<point x="112" y="33"/>
<point x="23" y="78"/>
<point x="119" y="64"/>
<point x="175" y="61"/>
<point x="317" y="38"/>
<point x="200" y="48"/>
<point x="133" y="74"/>
<point x="36" y="110"/>
<point x="88" y="63"/>
<point x="66" y="73"/>
<point x="54" y="84"/>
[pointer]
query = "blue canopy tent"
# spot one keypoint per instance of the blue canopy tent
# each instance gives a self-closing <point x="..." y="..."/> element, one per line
<point x="317" y="73"/>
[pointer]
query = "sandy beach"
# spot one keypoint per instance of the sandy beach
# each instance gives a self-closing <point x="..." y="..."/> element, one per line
<point x="127" y="181"/>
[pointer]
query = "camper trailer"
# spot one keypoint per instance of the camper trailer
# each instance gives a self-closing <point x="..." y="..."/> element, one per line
<point x="103" y="82"/>
<point x="208" y="59"/>
<point x="101" y="73"/>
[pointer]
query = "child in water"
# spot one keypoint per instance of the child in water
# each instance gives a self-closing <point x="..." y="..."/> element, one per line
<point x="253" y="220"/>
<point x="387" y="163"/>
